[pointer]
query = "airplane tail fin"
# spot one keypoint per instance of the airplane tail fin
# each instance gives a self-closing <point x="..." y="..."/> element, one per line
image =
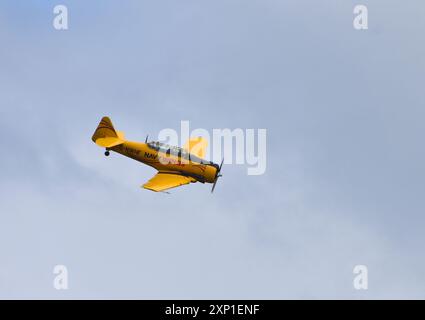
<point x="106" y="136"/>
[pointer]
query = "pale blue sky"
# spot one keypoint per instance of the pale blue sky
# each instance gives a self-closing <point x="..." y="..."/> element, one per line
<point x="345" y="176"/>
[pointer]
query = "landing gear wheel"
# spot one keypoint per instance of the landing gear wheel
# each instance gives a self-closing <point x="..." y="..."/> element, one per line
<point x="106" y="153"/>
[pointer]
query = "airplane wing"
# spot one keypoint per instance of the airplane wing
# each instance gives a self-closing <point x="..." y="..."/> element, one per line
<point x="196" y="146"/>
<point x="167" y="180"/>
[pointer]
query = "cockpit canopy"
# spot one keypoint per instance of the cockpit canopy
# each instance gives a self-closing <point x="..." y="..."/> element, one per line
<point x="166" y="148"/>
<point x="176" y="151"/>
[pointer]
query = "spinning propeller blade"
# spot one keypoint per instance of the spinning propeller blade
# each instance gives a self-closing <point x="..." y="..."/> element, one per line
<point x="217" y="175"/>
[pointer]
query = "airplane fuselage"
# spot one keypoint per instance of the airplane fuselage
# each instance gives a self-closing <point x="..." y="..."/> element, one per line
<point x="199" y="169"/>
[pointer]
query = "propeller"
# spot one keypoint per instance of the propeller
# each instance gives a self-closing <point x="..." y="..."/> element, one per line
<point x="217" y="175"/>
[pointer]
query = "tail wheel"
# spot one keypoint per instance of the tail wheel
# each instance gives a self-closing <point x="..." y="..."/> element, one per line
<point x="106" y="153"/>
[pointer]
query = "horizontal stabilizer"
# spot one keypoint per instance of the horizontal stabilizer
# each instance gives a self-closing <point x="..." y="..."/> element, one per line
<point x="109" y="142"/>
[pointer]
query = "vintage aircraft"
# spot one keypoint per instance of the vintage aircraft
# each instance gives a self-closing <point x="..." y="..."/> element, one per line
<point x="176" y="166"/>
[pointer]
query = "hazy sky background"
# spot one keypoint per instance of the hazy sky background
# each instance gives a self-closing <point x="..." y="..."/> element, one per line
<point x="343" y="109"/>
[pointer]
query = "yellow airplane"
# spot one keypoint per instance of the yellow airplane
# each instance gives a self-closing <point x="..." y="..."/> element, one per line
<point x="176" y="166"/>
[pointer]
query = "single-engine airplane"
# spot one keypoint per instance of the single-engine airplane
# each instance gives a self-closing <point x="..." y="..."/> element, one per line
<point x="176" y="166"/>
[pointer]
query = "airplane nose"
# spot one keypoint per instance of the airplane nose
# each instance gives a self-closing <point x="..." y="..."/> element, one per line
<point x="215" y="165"/>
<point x="211" y="173"/>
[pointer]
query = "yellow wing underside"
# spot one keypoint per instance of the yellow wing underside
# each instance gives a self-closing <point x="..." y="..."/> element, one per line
<point x="166" y="180"/>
